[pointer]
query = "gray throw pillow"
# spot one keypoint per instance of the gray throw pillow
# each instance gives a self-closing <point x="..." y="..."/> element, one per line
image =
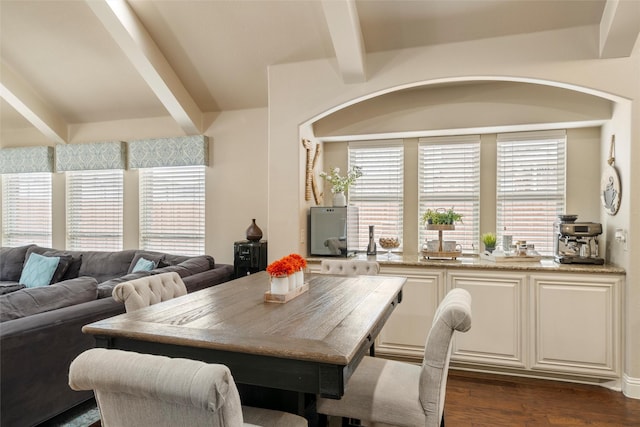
<point x="11" y="262"/>
<point x="29" y="301"/>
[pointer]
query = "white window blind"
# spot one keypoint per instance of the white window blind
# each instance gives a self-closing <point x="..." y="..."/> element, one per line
<point x="26" y="209"/>
<point x="379" y="193"/>
<point x="94" y="210"/>
<point x="530" y="186"/>
<point x="449" y="177"/>
<point x="172" y="209"/>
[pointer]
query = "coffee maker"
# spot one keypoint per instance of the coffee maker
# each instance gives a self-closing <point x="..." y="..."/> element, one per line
<point x="576" y="242"/>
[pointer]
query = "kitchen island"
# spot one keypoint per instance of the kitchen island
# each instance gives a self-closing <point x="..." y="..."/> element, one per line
<point x="538" y="319"/>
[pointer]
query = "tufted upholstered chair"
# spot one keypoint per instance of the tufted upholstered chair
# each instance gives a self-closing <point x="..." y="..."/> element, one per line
<point x="351" y="267"/>
<point x="138" y="390"/>
<point x="149" y="290"/>
<point x="389" y="393"/>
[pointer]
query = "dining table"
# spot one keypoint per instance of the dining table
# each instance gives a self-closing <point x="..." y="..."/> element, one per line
<point x="309" y="345"/>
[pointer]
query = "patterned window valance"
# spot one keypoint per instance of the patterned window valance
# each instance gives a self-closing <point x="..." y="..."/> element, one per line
<point x="26" y="159"/>
<point x="93" y="156"/>
<point x="164" y="152"/>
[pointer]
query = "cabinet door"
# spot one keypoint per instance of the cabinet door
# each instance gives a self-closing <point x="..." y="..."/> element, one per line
<point x="498" y="317"/>
<point x="405" y="332"/>
<point x="576" y="324"/>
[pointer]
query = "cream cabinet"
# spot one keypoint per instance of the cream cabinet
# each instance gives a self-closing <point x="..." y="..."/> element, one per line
<point x="575" y="324"/>
<point x="563" y="324"/>
<point x="405" y="333"/>
<point x="498" y="329"/>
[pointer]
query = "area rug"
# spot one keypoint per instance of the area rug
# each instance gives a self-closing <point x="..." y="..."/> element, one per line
<point x="84" y="415"/>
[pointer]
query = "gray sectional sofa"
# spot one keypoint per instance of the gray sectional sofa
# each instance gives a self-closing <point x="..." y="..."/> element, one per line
<point x="40" y="327"/>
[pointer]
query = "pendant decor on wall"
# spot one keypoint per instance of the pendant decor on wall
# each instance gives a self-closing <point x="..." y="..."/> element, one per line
<point x="610" y="183"/>
<point x="310" y="184"/>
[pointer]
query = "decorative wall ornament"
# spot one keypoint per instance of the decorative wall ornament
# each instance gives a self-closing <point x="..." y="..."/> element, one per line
<point x="26" y="159"/>
<point x="610" y="193"/>
<point x="310" y="176"/>
<point x="165" y="152"/>
<point x="91" y="156"/>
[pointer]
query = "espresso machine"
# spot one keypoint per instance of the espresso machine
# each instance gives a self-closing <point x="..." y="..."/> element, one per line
<point x="577" y="242"/>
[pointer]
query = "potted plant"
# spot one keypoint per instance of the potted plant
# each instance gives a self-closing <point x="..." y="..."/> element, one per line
<point x="489" y="240"/>
<point x="441" y="216"/>
<point x="340" y="184"/>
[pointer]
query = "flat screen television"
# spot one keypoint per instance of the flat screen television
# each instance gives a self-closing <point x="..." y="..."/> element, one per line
<point x="333" y="231"/>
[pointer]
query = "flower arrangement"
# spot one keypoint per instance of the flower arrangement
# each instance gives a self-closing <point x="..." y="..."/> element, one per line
<point x="340" y="184"/>
<point x="298" y="262"/>
<point x="280" y="268"/>
<point x="286" y="266"/>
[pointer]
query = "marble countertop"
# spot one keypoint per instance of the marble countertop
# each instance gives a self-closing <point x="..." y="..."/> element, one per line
<point x="477" y="263"/>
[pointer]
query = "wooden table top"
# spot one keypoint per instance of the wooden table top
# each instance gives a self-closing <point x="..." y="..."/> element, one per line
<point x="327" y="324"/>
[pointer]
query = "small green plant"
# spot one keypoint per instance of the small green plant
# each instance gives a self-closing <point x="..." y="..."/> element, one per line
<point x="441" y="216"/>
<point x="489" y="239"/>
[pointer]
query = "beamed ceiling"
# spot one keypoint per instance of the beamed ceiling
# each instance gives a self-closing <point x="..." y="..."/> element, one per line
<point x="72" y="62"/>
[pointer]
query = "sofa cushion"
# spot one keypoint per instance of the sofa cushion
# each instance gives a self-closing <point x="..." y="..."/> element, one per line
<point x="198" y="264"/>
<point x="106" y="265"/>
<point x="8" y="287"/>
<point x="143" y="264"/>
<point x="73" y="268"/>
<point x="38" y="270"/>
<point x="154" y="258"/>
<point x="105" y="289"/>
<point x="63" y="265"/>
<point x="11" y="262"/>
<point x="29" y="301"/>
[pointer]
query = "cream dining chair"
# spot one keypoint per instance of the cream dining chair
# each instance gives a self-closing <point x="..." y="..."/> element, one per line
<point x="140" y="390"/>
<point x="149" y="290"/>
<point x="350" y="267"/>
<point x="389" y="393"/>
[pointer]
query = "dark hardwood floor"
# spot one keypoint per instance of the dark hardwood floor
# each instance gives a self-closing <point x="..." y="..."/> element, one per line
<point x="482" y="400"/>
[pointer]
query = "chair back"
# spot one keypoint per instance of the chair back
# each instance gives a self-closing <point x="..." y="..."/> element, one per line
<point x="149" y="290"/>
<point x="351" y="267"/>
<point x="452" y="314"/>
<point x="134" y="389"/>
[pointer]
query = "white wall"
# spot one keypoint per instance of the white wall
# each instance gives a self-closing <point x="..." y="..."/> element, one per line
<point x="569" y="59"/>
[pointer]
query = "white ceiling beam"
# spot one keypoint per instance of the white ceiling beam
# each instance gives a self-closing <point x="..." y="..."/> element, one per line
<point x="126" y="29"/>
<point x="619" y="28"/>
<point x="346" y="35"/>
<point x="21" y="96"/>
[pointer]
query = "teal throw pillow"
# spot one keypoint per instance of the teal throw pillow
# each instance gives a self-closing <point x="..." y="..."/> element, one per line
<point x="144" y="265"/>
<point x="38" y="270"/>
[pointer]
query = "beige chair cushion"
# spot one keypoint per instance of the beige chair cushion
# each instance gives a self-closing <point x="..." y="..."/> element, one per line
<point x="387" y="392"/>
<point x="149" y="290"/>
<point x="352" y="267"/>
<point x="141" y="390"/>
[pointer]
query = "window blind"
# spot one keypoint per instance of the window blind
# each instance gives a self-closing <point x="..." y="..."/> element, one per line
<point x="94" y="210"/>
<point x="530" y="186"/>
<point x="26" y="209"/>
<point x="379" y="193"/>
<point x="172" y="209"/>
<point x="449" y="177"/>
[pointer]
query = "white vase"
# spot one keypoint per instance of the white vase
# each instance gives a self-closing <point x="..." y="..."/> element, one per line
<point x="280" y="285"/>
<point x="339" y="200"/>
<point x="299" y="278"/>
<point x="292" y="282"/>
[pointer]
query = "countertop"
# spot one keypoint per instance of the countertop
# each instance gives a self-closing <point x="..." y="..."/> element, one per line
<point x="477" y="263"/>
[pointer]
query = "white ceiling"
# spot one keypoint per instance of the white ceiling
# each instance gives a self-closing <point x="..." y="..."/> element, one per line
<point x="65" y="62"/>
